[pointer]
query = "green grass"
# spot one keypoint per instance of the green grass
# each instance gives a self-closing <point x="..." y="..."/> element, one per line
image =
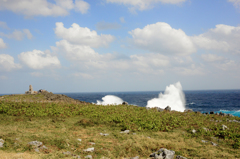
<point x="59" y="125"/>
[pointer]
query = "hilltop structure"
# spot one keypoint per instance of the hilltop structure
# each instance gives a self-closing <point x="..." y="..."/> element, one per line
<point x="31" y="91"/>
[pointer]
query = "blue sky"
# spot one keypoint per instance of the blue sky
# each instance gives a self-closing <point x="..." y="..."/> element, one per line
<point x="119" y="45"/>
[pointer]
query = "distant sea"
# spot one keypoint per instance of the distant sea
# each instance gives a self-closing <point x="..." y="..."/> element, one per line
<point x="226" y="101"/>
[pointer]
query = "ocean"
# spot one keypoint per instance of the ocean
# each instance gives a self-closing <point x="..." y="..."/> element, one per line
<point x="226" y="101"/>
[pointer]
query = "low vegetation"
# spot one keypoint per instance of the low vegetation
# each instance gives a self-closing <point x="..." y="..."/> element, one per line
<point x="25" y="118"/>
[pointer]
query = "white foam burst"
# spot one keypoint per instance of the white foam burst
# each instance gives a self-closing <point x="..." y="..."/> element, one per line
<point x="173" y="97"/>
<point x="110" y="100"/>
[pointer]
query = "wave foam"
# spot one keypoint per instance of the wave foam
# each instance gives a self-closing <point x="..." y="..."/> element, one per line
<point x="173" y="97"/>
<point x="110" y="100"/>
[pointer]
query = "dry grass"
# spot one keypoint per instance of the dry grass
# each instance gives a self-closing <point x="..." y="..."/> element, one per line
<point x="60" y="135"/>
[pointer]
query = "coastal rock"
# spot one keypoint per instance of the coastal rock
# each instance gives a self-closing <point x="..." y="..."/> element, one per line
<point x="224" y="127"/>
<point x="168" y="108"/>
<point x="88" y="156"/>
<point x="214" y="144"/>
<point x="125" y="132"/>
<point x="180" y="157"/>
<point x="89" y="149"/>
<point x="211" y="112"/>
<point x="194" y="131"/>
<point x="163" y="154"/>
<point x="204" y="141"/>
<point x="124" y="103"/>
<point x="104" y="134"/>
<point x="1" y="142"/>
<point x="35" y="143"/>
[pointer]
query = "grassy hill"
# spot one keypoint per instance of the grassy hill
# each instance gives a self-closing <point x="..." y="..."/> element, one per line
<point x="59" y="122"/>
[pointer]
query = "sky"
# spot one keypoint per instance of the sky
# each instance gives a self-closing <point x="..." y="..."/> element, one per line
<point x="119" y="45"/>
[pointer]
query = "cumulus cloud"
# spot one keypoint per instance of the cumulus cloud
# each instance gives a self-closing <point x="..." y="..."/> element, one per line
<point x="106" y="26"/>
<point x="81" y="6"/>
<point x="143" y="4"/>
<point x="236" y="3"/>
<point x="7" y="63"/>
<point x="222" y="38"/>
<point x="83" y="36"/>
<point x="162" y="38"/>
<point x="3" y="25"/>
<point x="37" y="59"/>
<point x="18" y="35"/>
<point x="2" y="44"/>
<point x="43" y="7"/>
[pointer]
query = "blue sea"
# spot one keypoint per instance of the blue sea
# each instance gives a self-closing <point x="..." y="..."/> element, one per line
<point x="226" y="101"/>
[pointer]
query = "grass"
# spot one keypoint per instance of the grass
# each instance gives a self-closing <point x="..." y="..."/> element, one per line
<point x="59" y="125"/>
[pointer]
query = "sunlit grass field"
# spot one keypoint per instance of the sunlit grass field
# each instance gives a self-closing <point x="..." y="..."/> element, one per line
<point x="59" y="125"/>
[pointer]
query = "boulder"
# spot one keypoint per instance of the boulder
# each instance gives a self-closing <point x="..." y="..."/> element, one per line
<point x="124" y="103"/>
<point x="89" y="149"/>
<point x="168" y="108"/>
<point x="125" y="132"/>
<point x="35" y="143"/>
<point x="88" y="156"/>
<point x="1" y="142"/>
<point x="163" y="154"/>
<point x="211" y="112"/>
<point x="224" y="127"/>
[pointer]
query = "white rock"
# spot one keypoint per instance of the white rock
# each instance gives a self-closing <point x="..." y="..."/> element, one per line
<point x="89" y="149"/>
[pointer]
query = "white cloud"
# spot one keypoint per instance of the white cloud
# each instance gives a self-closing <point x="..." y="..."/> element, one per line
<point x="211" y="57"/>
<point x="143" y="4"/>
<point x="7" y="63"/>
<point x="37" y="59"/>
<point x="83" y="75"/>
<point x="3" y="25"/>
<point x="122" y="20"/>
<point x="43" y="7"/>
<point x="236" y="3"/>
<point x="106" y="26"/>
<point x="81" y="6"/>
<point x="222" y="38"/>
<point x="162" y="38"/>
<point x="18" y="35"/>
<point x="2" y="44"/>
<point x="82" y="36"/>
<point x="191" y="70"/>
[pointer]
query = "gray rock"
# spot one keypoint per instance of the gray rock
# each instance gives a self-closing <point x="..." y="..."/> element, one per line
<point x="92" y="143"/>
<point x="168" y="108"/>
<point x="88" y="156"/>
<point x="180" y="157"/>
<point x="89" y="149"/>
<point x="163" y="154"/>
<point x="79" y="140"/>
<point x="159" y="109"/>
<point x="36" y="150"/>
<point x="44" y="147"/>
<point x="77" y="156"/>
<point x="216" y="113"/>
<point x="214" y="144"/>
<point x="206" y="129"/>
<point x="230" y="115"/>
<point x="125" y="132"/>
<point x="1" y="142"/>
<point x="204" y="141"/>
<point x="194" y="131"/>
<point x="224" y="127"/>
<point x="35" y="143"/>
<point x="104" y="134"/>
<point x="124" y="103"/>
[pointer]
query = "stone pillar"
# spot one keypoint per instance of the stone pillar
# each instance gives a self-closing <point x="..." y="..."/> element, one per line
<point x="30" y="89"/>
